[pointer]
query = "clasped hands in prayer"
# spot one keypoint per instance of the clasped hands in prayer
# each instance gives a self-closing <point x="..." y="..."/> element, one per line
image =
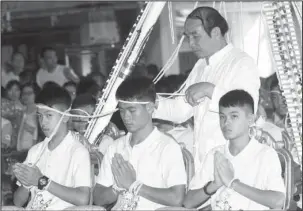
<point x="198" y="91"/>
<point x="123" y="171"/>
<point x="27" y="175"/>
<point x="223" y="170"/>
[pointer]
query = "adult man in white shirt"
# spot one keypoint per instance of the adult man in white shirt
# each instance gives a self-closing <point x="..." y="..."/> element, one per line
<point x="145" y="162"/>
<point x="52" y="71"/>
<point x="221" y="68"/>
<point x="242" y="174"/>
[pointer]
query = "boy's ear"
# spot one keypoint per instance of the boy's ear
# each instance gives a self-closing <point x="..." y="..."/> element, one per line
<point x="251" y="119"/>
<point x="65" y="119"/>
<point x="150" y="107"/>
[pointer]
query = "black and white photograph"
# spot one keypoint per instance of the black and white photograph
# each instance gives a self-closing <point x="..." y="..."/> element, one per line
<point x="151" y="105"/>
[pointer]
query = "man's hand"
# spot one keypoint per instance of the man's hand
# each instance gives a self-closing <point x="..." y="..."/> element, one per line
<point x="225" y="168"/>
<point x="196" y="92"/>
<point x="123" y="172"/>
<point x="27" y="175"/>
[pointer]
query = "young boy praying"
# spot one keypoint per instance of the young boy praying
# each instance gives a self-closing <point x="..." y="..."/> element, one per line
<point x="243" y="174"/>
<point x="145" y="162"/>
<point x="56" y="171"/>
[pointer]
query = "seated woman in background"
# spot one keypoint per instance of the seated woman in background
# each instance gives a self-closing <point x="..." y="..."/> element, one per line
<point x="28" y="133"/>
<point x="12" y="109"/>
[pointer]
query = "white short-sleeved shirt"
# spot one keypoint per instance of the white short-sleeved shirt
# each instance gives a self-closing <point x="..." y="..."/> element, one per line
<point x="257" y="165"/>
<point x="158" y="163"/>
<point x="68" y="165"/>
<point x="56" y="76"/>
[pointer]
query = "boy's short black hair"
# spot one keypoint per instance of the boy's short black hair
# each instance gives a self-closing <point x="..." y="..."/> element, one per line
<point x="54" y="95"/>
<point x="84" y="100"/>
<point x="139" y="88"/>
<point x="237" y="98"/>
<point x="69" y="83"/>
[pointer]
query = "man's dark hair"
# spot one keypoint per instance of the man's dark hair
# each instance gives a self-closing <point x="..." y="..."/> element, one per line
<point x="237" y="98"/>
<point x="44" y="49"/>
<point x="210" y="19"/>
<point x="139" y="88"/>
<point x="84" y="100"/>
<point x="53" y="95"/>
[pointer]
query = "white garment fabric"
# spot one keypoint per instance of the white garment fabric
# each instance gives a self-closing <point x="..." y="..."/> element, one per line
<point x="105" y="143"/>
<point x="158" y="163"/>
<point x="8" y="76"/>
<point x="185" y="136"/>
<point x="68" y="165"/>
<point x="58" y="76"/>
<point x="229" y="69"/>
<point x="257" y="165"/>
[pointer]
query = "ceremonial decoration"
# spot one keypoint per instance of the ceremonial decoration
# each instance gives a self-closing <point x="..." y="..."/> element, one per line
<point x="287" y="57"/>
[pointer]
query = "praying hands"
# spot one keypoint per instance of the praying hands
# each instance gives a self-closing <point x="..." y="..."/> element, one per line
<point x="123" y="171"/>
<point x="224" y="171"/>
<point x="198" y="91"/>
<point x="27" y="175"/>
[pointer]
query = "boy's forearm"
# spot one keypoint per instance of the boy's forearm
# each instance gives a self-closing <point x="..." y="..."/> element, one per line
<point x="104" y="195"/>
<point x="195" y="198"/>
<point x="172" y="196"/>
<point x="21" y="196"/>
<point x="78" y="196"/>
<point x="268" y="198"/>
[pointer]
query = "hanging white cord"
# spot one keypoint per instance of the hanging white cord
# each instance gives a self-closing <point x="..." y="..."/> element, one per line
<point x="173" y="56"/>
<point x="226" y="18"/>
<point x="220" y="6"/>
<point x="171" y="21"/>
<point x="241" y="17"/>
<point x="214" y="5"/>
<point x="259" y="41"/>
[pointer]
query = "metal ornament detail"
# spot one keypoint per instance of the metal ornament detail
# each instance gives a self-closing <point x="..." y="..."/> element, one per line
<point x="288" y="63"/>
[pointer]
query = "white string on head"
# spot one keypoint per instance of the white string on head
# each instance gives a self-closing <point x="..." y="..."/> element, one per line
<point x="133" y="102"/>
<point x="67" y="112"/>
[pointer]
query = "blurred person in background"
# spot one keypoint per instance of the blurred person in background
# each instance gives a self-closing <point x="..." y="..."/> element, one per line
<point x="12" y="70"/>
<point x="52" y="71"/>
<point x="99" y="78"/>
<point x="71" y="88"/>
<point x="12" y="109"/>
<point x="28" y="133"/>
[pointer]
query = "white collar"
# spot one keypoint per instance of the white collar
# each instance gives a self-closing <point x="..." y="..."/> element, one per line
<point x="218" y="56"/>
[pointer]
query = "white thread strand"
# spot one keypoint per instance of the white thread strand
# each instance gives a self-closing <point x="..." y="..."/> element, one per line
<point x="171" y="21"/>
